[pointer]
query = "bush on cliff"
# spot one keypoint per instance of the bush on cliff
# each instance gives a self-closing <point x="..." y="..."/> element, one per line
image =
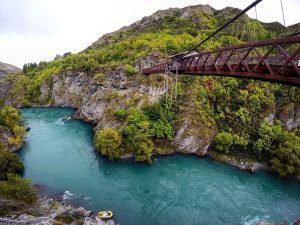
<point x="19" y="189"/>
<point x="108" y="141"/>
<point x="268" y="138"/>
<point x="136" y="135"/>
<point x="11" y="118"/>
<point x="223" y="141"/>
<point x="9" y="163"/>
<point x="286" y="159"/>
<point x="143" y="148"/>
<point x="161" y="121"/>
<point x="129" y="70"/>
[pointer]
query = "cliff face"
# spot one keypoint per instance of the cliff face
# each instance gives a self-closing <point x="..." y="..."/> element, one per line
<point x="97" y="97"/>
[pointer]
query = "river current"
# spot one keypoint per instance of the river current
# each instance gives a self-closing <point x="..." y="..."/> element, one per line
<point x="177" y="190"/>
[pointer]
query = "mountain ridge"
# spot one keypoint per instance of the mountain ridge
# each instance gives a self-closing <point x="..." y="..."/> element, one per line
<point x="6" y="69"/>
<point x="190" y="12"/>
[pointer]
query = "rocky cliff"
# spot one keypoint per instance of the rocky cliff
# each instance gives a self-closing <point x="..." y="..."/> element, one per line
<point x="5" y="135"/>
<point x="97" y="97"/>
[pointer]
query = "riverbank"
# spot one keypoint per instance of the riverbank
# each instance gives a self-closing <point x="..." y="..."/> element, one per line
<point x="49" y="210"/>
<point x="15" y="207"/>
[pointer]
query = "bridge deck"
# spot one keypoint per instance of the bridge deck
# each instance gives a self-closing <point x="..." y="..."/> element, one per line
<point x="275" y="60"/>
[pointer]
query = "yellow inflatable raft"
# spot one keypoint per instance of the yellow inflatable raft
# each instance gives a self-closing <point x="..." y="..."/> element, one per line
<point x="105" y="214"/>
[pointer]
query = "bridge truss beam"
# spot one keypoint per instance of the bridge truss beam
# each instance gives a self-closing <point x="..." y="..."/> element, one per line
<point x="275" y="60"/>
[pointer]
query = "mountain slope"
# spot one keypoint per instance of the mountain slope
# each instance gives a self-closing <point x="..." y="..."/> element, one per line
<point x="233" y="120"/>
<point x="8" y="69"/>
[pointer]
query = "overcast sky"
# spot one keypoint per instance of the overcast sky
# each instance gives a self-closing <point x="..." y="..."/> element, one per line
<point x="37" y="30"/>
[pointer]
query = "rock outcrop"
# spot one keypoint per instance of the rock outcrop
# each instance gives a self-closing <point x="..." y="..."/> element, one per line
<point x="5" y="135"/>
<point x="96" y="97"/>
<point x="48" y="211"/>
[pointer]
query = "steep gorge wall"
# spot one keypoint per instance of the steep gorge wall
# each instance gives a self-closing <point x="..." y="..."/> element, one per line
<point x="97" y="97"/>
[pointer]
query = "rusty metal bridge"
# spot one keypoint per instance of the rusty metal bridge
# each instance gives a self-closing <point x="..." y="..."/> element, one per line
<point x="276" y="60"/>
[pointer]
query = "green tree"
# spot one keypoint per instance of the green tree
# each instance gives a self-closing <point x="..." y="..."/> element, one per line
<point x="121" y="114"/>
<point x="9" y="163"/>
<point x="137" y="133"/>
<point x="129" y="70"/>
<point x="143" y="148"/>
<point x="268" y="136"/>
<point x="223" y="141"/>
<point x="243" y="116"/>
<point x="286" y="160"/>
<point x="17" y="188"/>
<point x="160" y="121"/>
<point x="240" y="142"/>
<point x="10" y="117"/>
<point x="108" y="141"/>
<point x="161" y="129"/>
<point x="137" y="123"/>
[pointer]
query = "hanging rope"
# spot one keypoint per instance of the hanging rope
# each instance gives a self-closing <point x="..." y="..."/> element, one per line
<point x="171" y="95"/>
<point x="282" y="12"/>
<point x="176" y="81"/>
<point x="166" y="85"/>
<point x="255" y="12"/>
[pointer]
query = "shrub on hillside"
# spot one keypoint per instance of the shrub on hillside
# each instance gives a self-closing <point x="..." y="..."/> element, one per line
<point x="9" y="163"/>
<point x="129" y="70"/>
<point x="10" y="117"/>
<point x="108" y="141"/>
<point x="19" y="189"/>
<point x="143" y="148"/>
<point x="286" y="160"/>
<point x="223" y="141"/>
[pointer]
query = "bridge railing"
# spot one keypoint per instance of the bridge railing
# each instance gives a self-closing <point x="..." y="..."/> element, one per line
<point x="274" y="60"/>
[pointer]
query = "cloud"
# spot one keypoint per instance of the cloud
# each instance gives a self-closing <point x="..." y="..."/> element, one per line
<point x="36" y="30"/>
<point x="24" y="17"/>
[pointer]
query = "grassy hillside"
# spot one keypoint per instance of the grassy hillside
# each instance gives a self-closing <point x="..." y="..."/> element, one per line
<point x="244" y="117"/>
<point x="8" y="69"/>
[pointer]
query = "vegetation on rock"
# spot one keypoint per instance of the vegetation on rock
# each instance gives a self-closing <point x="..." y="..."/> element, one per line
<point x="11" y="118"/>
<point x="9" y="163"/>
<point x="12" y="186"/>
<point x="17" y="188"/>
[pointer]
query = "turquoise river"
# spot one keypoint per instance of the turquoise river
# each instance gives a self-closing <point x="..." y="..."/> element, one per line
<point x="174" y="190"/>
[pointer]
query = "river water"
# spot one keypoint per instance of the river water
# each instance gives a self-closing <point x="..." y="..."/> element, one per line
<point x="174" y="190"/>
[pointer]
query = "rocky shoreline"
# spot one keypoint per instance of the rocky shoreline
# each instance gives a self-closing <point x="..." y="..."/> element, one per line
<point x="49" y="210"/>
